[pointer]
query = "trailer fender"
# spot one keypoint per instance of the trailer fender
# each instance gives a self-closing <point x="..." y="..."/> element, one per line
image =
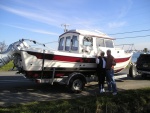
<point x="76" y="75"/>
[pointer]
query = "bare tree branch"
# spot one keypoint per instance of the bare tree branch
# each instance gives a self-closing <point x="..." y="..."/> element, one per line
<point x="3" y="46"/>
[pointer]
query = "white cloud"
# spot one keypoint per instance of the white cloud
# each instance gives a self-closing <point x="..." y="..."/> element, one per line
<point x="34" y="30"/>
<point x="116" y="24"/>
<point x="36" y="16"/>
<point x="125" y="9"/>
<point x="122" y="12"/>
<point x="57" y="17"/>
<point x="53" y="17"/>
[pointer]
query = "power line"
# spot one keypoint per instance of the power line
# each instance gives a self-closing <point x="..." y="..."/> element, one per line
<point x="134" y="37"/>
<point x="115" y="38"/>
<point x="50" y="42"/>
<point x="130" y="32"/>
<point x="119" y="33"/>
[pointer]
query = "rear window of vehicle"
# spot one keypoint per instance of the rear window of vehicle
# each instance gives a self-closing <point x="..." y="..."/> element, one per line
<point x="144" y="58"/>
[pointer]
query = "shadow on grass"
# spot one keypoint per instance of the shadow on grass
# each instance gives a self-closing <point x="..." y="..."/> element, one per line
<point x="131" y="101"/>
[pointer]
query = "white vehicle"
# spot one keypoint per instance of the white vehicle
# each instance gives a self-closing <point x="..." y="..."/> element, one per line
<point x="72" y="64"/>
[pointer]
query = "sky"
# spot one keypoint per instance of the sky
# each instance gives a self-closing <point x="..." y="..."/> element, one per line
<point x="41" y="20"/>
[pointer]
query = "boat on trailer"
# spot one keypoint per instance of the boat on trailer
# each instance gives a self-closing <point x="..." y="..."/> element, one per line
<point x="73" y="63"/>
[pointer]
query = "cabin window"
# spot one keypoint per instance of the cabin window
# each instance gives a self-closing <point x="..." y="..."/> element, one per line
<point x="100" y="42"/>
<point x="61" y="44"/>
<point x="74" y="46"/>
<point x="67" y="47"/>
<point x="109" y="43"/>
<point x="87" y="41"/>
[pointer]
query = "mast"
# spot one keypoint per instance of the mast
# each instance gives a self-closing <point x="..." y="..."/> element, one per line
<point x="65" y="27"/>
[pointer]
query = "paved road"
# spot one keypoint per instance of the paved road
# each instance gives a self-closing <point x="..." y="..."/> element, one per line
<point x="14" y="88"/>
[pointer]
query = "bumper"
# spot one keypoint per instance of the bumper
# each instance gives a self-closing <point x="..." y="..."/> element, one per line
<point x="145" y="72"/>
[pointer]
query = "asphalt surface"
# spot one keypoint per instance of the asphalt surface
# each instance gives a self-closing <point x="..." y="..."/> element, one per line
<point x="15" y="89"/>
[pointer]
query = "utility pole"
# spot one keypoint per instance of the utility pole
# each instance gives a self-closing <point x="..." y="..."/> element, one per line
<point x="65" y="27"/>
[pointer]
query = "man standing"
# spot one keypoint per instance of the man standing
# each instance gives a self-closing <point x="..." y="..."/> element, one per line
<point x="110" y="63"/>
<point x="101" y="71"/>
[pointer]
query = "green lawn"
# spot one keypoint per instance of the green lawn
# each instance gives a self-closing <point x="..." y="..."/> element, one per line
<point x="7" y="66"/>
<point x="131" y="101"/>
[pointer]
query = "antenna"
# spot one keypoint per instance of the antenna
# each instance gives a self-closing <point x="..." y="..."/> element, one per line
<point x="65" y="27"/>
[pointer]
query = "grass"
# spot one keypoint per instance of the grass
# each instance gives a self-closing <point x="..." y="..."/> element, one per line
<point x="7" y="66"/>
<point x="131" y="101"/>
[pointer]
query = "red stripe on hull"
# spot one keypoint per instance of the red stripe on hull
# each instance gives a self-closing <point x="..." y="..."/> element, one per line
<point x="71" y="58"/>
<point x="118" y="60"/>
<point x="119" y="70"/>
<point x="62" y="58"/>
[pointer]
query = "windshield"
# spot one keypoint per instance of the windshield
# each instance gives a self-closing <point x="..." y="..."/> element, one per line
<point x="61" y="44"/>
<point x="74" y="46"/>
<point x="109" y="43"/>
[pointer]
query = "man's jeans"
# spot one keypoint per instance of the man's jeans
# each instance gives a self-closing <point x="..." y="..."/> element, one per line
<point x="111" y="80"/>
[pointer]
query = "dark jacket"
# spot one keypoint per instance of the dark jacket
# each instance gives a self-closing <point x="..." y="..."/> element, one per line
<point x="100" y="65"/>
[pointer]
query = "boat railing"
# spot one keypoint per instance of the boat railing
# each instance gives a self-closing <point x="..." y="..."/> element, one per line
<point x="36" y="44"/>
<point x="127" y="47"/>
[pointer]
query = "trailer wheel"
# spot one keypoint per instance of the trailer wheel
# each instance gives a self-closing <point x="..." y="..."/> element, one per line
<point x="76" y="85"/>
<point x="133" y="71"/>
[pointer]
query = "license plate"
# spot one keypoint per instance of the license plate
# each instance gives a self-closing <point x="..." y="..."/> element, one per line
<point x="145" y="65"/>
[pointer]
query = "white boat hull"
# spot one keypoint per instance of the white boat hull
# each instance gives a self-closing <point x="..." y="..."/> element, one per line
<point x="35" y="63"/>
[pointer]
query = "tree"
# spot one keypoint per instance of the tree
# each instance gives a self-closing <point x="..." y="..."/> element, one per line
<point x="3" y="46"/>
<point x="145" y="50"/>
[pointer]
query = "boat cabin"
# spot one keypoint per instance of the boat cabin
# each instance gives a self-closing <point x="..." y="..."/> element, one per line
<point x="81" y="41"/>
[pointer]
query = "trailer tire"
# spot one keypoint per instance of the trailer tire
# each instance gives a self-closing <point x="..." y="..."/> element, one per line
<point x="76" y="84"/>
<point x="133" y="71"/>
